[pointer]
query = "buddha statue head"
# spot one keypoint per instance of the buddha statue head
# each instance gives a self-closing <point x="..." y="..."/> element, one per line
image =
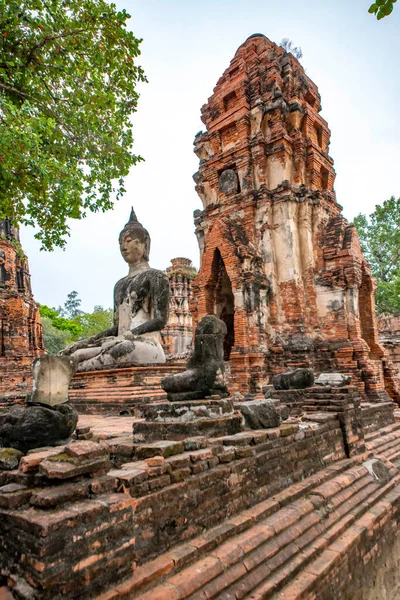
<point x="134" y="241"/>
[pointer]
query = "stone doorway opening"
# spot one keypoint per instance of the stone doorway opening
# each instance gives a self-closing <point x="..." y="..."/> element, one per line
<point x="220" y="300"/>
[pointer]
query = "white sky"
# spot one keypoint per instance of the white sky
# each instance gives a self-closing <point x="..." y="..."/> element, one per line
<point x="187" y="44"/>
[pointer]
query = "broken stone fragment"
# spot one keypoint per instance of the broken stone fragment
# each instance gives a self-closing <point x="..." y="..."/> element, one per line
<point x="9" y="458"/>
<point x="263" y="414"/>
<point x="298" y="379"/>
<point x="333" y="379"/>
<point x="51" y="378"/>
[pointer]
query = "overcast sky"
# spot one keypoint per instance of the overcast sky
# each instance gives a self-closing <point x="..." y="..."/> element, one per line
<point x="187" y="44"/>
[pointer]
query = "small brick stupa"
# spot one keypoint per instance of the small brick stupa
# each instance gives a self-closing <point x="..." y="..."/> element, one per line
<point x="20" y="327"/>
<point x="279" y="263"/>
<point x="177" y="336"/>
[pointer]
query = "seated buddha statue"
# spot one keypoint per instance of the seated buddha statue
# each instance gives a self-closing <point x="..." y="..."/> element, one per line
<point x="141" y="302"/>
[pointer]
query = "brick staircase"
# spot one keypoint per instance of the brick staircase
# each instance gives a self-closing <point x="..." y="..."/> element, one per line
<point x="259" y="553"/>
<point x="284" y="546"/>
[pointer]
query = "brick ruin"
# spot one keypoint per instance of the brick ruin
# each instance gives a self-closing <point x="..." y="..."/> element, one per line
<point x="389" y="337"/>
<point x="177" y="336"/>
<point x="20" y="327"/>
<point x="279" y="263"/>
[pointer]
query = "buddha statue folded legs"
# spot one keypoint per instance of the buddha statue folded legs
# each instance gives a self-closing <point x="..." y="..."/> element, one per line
<point x="141" y="303"/>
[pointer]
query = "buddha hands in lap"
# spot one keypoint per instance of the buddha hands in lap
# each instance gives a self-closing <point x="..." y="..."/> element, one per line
<point x="141" y="301"/>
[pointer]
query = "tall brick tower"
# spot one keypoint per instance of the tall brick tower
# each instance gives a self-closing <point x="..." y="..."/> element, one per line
<point x="20" y="326"/>
<point x="279" y="263"/>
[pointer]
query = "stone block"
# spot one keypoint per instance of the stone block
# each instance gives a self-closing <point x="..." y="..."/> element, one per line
<point x="51" y="378"/>
<point x="63" y="466"/>
<point x="263" y="414"/>
<point x="162" y="448"/>
<point x="293" y="380"/>
<point x="52" y="497"/>
<point x="85" y="450"/>
<point x="33" y="459"/>
<point x="9" y="458"/>
<point x="333" y="379"/>
<point x="14" y="495"/>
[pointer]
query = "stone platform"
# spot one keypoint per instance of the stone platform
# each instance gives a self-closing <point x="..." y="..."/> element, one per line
<point x="119" y="390"/>
<point x="187" y="418"/>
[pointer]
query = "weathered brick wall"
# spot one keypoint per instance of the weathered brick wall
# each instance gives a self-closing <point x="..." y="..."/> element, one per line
<point x="197" y="489"/>
<point x="279" y="263"/>
<point x="177" y="335"/>
<point x="20" y="327"/>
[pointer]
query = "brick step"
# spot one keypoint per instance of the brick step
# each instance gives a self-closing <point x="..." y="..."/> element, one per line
<point x="379" y="445"/>
<point x="172" y="561"/>
<point x="386" y="449"/>
<point x="265" y="554"/>
<point x="303" y="585"/>
<point x="117" y="392"/>
<point x="113" y="397"/>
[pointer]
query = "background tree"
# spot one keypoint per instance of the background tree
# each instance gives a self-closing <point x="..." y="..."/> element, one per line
<point x="59" y="322"/>
<point x="71" y="305"/>
<point x="65" y="325"/>
<point x="380" y="241"/>
<point x="289" y="46"/>
<point x="91" y="323"/>
<point x="67" y="92"/>
<point x="54" y="339"/>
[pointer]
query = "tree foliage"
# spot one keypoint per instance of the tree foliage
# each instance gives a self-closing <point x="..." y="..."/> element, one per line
<point x="91" y="323"/>
<point x="67" y="324"/>
<point x="71" y="306"/>
<point x="380" y="241"/>
<point x="54" y="339"/>
<point x="381" y="8"/>
<point x="59" y="322"/>
<point x="67" y="91"/>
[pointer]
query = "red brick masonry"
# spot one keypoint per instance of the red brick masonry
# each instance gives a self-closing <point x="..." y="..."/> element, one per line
<point x="20" y="327"/>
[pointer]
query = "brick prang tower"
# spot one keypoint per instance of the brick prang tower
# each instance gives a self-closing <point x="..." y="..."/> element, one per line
<point x="20" y="327"/>
<point x="279" y="263"/>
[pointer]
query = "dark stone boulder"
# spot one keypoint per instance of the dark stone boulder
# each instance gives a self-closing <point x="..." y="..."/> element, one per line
<point x="205" y="368"/>
<point x="298" y="379"/>
<point x="263" y="414"/>
<point x="34" y="426"/>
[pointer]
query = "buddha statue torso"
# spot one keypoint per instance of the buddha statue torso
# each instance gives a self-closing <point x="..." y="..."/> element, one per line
<point x="141" y="303"/>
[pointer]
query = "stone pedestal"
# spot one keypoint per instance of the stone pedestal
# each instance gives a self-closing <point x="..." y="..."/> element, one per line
<point x="185" y="419"/>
